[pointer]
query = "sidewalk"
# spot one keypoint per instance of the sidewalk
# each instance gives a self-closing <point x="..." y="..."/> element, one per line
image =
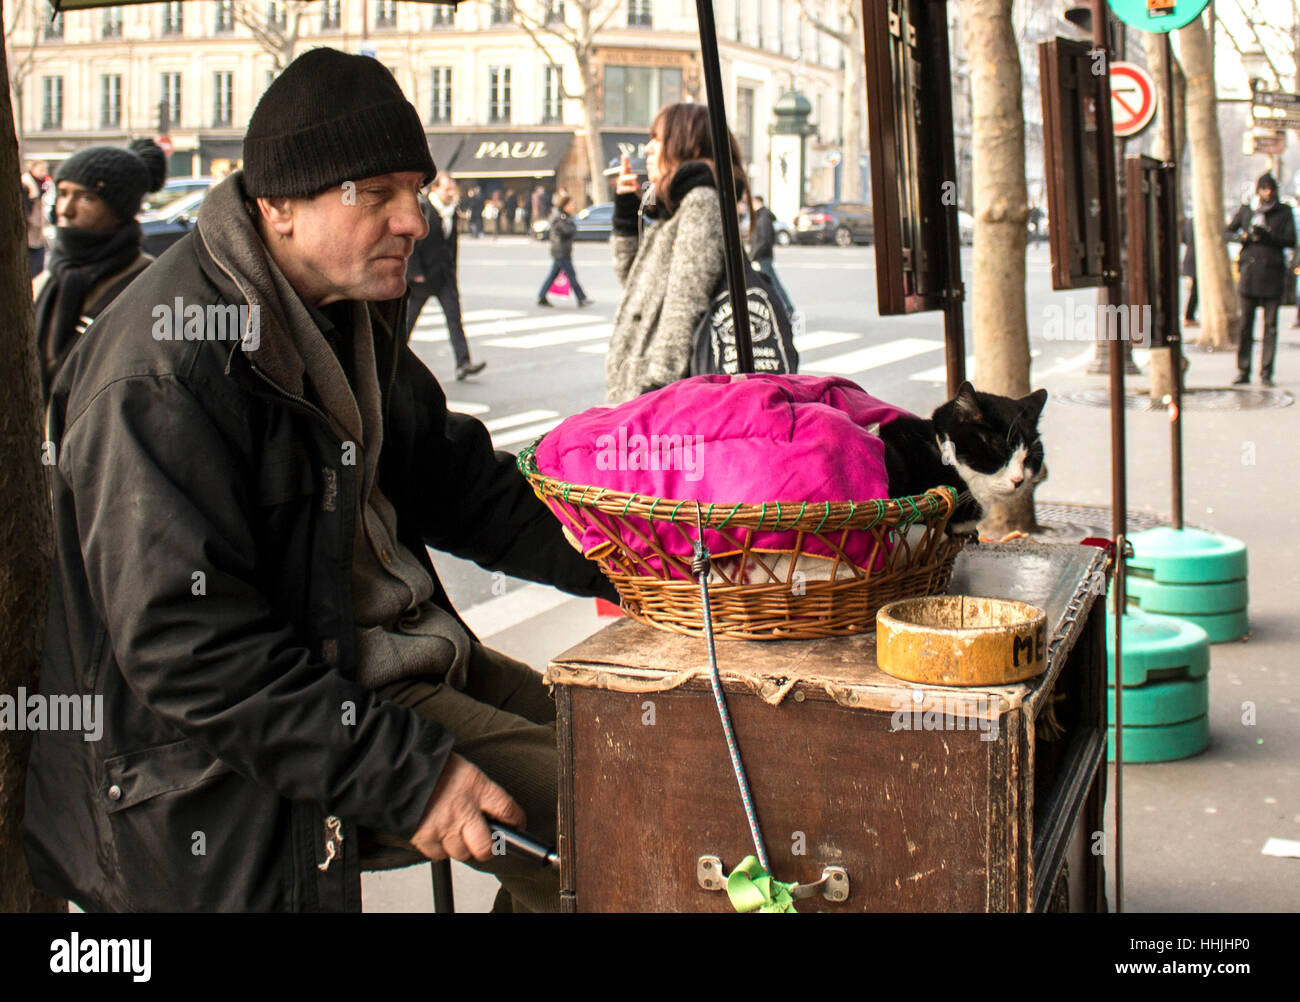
<point x="1193" y="829"/>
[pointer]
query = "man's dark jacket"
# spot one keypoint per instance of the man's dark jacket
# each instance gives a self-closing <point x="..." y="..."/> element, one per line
<point x="434" y="257"/>
<point x="764" y="238"/>
<point x="562" y="232"/>
<point x="204" y="518"/>
<point x="1262" y="263"/>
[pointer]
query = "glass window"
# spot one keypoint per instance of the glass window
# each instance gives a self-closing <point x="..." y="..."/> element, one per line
<point x="440" y="95"/>
<point x="554" y="11"/>
<point x="51" y="102"/>
<point x="385" y="13"/>
<point x="223" y="98"/>
<point x="110" y="101"/>
<point x="501" y="11"/>
<point x="498" y="94"/>
<point x="442" y="17"/>
<point x="552" y="91"/>
<point x="111" y="25"/>
<point x="276" y="15"/>
<point x="744" y="123"/>
<point x="633" y="94"/>
<point x="331" y="14"/>
<point x="54" y="26"/>
<point x="639" y="13"/>
<point x="171" y="96"/>
<point x="225" y="20"/>
<point x="173" y="19"/>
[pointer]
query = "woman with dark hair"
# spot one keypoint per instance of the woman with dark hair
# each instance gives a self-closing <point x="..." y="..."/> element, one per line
<point x="667" y="252"/>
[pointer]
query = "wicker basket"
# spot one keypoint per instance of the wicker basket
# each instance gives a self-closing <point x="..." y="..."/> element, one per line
<point x="760" y="594"/>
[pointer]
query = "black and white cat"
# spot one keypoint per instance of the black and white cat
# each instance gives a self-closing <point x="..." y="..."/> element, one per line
<point x="984" y="445"/>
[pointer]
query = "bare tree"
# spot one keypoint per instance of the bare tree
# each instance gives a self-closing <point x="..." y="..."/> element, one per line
<point x="278" y="35"/>
<point x="573" y="25"/>
<point x="999" y="314"/>
<point x="1218" y="297"/>
<point x="22" y="58"/>
<point x="853" y="107"/>
<point x="26" y="547"/>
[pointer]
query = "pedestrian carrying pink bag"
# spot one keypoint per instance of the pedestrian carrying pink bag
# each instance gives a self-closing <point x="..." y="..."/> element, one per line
<point x="560" y="287"/>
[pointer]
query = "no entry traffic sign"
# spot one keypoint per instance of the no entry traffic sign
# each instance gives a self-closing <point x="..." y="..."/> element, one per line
<point x="1132" y="98"/>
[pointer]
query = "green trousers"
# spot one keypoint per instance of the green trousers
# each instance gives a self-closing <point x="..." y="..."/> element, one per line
<point x="504" y="722"/>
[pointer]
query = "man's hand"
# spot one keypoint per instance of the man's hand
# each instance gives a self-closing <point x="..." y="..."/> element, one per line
<point x="453" y="822"/>
<point x="627" y="182"/>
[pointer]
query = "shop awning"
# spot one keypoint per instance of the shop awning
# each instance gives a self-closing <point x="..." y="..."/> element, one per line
<point x="444" y="146"/>
<point x="489" y="153"/>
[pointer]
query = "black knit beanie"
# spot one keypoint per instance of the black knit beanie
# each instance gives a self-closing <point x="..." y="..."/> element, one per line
<point x="331" y="117"/>
<point x="121" y="177"/>
<point x="1266" y="180"/>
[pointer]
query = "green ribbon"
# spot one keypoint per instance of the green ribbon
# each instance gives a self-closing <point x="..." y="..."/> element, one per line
<point x="751" y="888"/>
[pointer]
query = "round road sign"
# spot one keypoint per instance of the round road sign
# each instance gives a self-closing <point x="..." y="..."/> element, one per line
<point x="1132" y="98"/>
<point x="1158" y="15"/>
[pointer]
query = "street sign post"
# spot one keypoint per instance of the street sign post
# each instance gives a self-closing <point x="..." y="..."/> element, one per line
<point x="1132" y="98"/>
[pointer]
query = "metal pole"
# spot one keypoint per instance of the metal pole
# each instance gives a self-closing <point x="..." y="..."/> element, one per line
<point x="734" y="252"/>
<point x="1119" y="492"/>
<point x="1174" y="224"/>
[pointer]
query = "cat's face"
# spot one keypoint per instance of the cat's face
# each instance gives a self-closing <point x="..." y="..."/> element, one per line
<point x="992" y="442"/>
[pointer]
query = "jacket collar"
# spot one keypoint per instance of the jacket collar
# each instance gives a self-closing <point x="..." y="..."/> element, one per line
<point x="233" y="255"/>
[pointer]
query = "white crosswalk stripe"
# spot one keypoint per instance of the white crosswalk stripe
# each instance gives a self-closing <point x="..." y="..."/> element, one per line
<point x="939" y="374"/>
<point x="511" y="420"/>
<point x="547" y="339"/>
<point x="432" y="316"/>
<point x="873" y="357"/>
<point x="465" y="407"/>
<point x="521" y="436"/>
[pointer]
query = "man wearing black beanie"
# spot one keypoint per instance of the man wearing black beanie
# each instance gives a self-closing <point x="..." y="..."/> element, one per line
<point x="97" y="248"/>
<point x="252" y="464"/>
<point x="1264" y="229"/>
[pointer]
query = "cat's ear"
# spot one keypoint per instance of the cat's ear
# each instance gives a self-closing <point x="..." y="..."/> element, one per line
<point x="1033" y="404"/>
<point x="965" y="406"/>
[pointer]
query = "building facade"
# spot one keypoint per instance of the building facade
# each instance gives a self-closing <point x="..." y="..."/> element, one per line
<point x="501" y="103"/>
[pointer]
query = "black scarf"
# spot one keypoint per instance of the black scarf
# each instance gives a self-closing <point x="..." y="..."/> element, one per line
<point x="79" y="260"/>
<point x="692" y="174"/>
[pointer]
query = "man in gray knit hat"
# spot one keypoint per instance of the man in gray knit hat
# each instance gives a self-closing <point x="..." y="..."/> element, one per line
<point x="251" y="465"/>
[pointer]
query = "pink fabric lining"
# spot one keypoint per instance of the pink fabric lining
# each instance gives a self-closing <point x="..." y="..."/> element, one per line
<point x="730" y="439"/>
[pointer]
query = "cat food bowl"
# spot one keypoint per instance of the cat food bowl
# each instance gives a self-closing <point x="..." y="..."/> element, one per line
<point x="961" y="640"/>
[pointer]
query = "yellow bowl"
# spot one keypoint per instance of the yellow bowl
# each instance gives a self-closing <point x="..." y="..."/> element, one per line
<point x="961" y="640"/>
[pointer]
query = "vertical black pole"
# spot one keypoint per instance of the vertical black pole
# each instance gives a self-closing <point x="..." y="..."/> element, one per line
<point x="1174" y="223"/>
<point x="1118" y="468"/>
<point x="735" y="254"/>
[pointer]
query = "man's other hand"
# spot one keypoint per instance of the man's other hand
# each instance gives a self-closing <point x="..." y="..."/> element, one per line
<point x="453" y="823"/>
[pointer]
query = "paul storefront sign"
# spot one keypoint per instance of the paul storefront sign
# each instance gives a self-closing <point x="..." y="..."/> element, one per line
<point x="505" y="150"/>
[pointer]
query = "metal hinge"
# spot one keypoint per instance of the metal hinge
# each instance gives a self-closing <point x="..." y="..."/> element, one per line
<point x="833" y="885"/>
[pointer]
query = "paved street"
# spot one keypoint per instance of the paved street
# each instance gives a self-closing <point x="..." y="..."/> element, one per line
<point x="1193" y="829"/>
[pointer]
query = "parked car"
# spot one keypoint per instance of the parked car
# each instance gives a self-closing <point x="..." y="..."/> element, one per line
<point x="784" y="233"/>
<point x="846" y="223"/>
<point x="595" y="222"/>
<point x="174" y="189"/>
<point x="165" y="226"/>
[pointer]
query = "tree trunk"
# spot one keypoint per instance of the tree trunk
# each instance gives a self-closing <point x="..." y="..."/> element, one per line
<point x="25" y="534"/>
<point x="1218" y="298"/>
<point x="591" y="114"/>
<point x="854" y="109"/>
<point x="1154" y="45"/>
<point x="1000" y="323"/>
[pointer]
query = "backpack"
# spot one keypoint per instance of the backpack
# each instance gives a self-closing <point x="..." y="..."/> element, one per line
<point x="769" y="328"/>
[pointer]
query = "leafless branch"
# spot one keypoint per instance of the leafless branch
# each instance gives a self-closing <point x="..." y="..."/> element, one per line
<point x="842" y="37"/>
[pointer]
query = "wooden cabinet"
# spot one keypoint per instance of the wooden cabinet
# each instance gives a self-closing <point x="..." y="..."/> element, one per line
<point x="931" y="798"/>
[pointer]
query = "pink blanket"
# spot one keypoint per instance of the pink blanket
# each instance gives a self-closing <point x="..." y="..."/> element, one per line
<point x="728" y="439"/>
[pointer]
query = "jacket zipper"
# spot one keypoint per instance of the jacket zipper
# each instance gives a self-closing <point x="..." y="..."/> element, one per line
<point x="333" y="842"/>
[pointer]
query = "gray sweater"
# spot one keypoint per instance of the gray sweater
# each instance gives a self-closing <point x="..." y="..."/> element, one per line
<point x="669" y="274"/>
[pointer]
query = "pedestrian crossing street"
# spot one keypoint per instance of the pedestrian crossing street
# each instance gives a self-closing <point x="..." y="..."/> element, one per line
<point x="588" y="334"/>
